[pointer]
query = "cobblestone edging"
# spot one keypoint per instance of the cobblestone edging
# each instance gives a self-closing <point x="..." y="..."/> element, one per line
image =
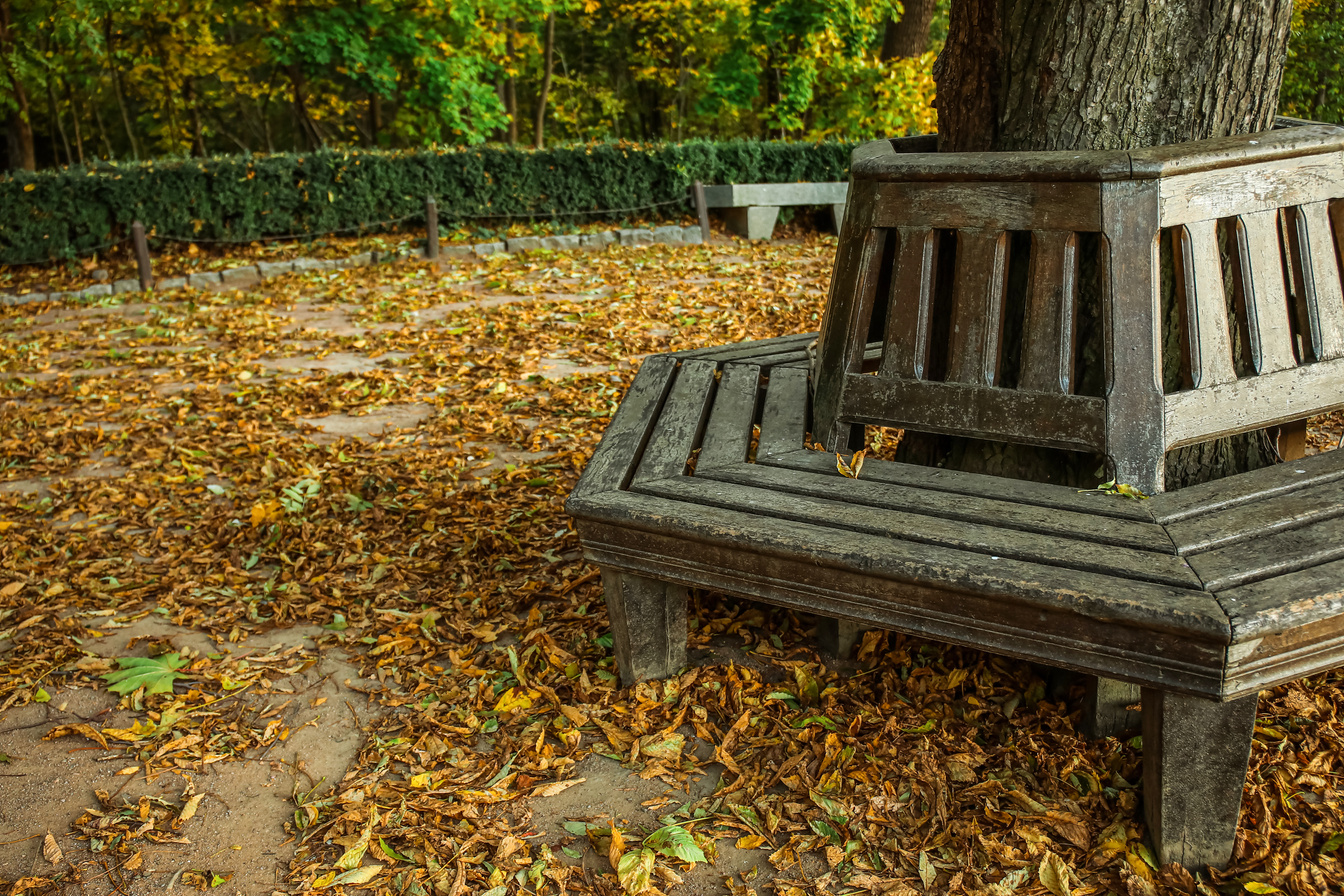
<point x="251" y="275"/>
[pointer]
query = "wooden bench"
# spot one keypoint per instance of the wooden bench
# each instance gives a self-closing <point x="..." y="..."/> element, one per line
<point x="750" y="210"/>
<point x="1201" y="597"/>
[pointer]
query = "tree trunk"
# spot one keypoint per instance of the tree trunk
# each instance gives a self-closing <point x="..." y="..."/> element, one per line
<point x="116" y="88"/>
<point x="547" y="70"/>
<point x="55" y="114"/>
<point x="74" y="118"/>
<point x="193" y="104"/>
<point x="510" y="84"/>
<point x="22" y="153"/>
<point x="311" y="137"/>
<point x="909" y="35"/>
<point x="1076" y="75"/>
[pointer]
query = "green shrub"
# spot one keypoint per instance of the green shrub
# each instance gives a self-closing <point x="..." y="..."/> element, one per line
<point x="70" y="212"/>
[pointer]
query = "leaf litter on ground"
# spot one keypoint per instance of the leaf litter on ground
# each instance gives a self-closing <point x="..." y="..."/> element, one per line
<point x="158" y="457"/>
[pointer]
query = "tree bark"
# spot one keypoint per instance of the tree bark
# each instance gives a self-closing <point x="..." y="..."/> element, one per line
<point x="1021" y="75"/>
<point x="1075" y="74"/>
<point x="547" y="71"/>
<point x="307" y="127"/>
<point x="909" y="35"/>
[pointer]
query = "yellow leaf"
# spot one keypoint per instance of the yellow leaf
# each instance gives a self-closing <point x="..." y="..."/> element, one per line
<point x="28" y="188"/>
<point x="422" y="781"/>
<point x="749" y="841"/>
<point x="189" y="809"/>
<point x="1054" y="874"/>
<point x="267" y="512"/>
<point x="617" y="848"/>
<point x="516" y="698"/>
<point x="1253" y="887"/>
<point x="555" y="787"/>
<point x="87" y="730"/>
<point x="11" y="589"/>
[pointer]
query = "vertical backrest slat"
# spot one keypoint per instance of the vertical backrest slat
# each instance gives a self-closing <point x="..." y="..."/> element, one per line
<point x="1260" y="278"/>
<point x="905" y="351"/>
<point x="854" y="274"/>
<point x="977" y="307"/>
<point x="1318" y="282"/>
<point x="1199" y="286"/>
<point x="1052" y="305"/>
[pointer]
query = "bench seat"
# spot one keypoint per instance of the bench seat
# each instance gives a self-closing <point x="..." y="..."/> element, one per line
<point x="750" y="210"/>
<point x="1202" y="597"/>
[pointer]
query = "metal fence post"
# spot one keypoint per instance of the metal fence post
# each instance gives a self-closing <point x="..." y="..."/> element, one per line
<point x="142" y="255"/>
<point x="431" y="229"/>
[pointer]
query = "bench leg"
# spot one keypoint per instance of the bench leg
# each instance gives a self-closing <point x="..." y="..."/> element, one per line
<point x="1105" y="712"/>
<point x="648" y="625"/>
<point x="1195" y="754"/>
<point x="755" y="222"/>
<point x="838" y="636"/>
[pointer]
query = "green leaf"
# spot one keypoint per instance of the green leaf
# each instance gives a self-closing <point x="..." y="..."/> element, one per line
<point x="675" y="842"/>
<point x="826" y="830"/>
<point x="635" y="871"/>
<point x="390" y="852"/>
<point x="835" y="810"/>
<point x="155" y="674"/>
<point x="1335" y="841"/>
<point x="41" y="696"/>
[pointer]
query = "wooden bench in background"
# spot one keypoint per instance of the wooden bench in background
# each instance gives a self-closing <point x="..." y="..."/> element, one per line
<point x="1200" y="597"/>
<point x="750" y="210"/>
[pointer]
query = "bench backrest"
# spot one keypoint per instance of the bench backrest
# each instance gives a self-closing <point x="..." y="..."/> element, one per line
<point x="916" y="325"/>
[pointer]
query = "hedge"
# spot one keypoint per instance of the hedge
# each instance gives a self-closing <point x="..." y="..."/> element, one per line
<point x="70" y="212"/>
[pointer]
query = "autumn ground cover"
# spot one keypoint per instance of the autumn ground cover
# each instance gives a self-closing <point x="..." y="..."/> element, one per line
<point x="332" y="506"/>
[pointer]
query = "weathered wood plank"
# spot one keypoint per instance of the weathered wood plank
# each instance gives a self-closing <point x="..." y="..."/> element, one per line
<point x="784" y="417"/>
<point x="989" y="206"/>
<point x="728" y="433"/>
<point x="841" y="345"/>
<point x="1074" y="422"/>
<point x="1001" y="511"/>
<point x="1052" y="305"/>
<point x="1133" y="342"/>
<point x="1015" y="491"/>
<point x="1317" y="267"/>
<point x="1256" y="519"/>
<point x="1254" y="402"/>
<point x="977" y="307"/>
<point x="1096" y="624"/>
<point x="1203" y="303"/>
<point x="1265" y="556"/>
<point x="1195" y="754"/>
<point x="614" y="461"/>
<point x="1262" y="291"/>
<point x="741" y="351"/>
<point x="1248" y="189"/>
<point x="1209" y="497"/>
<point x="905" y="350"/>
<point x="680" y="422"/>
<point x="848" y="506"/>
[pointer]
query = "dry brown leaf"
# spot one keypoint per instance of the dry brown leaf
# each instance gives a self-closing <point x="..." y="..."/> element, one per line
<point x="51" y="850"/>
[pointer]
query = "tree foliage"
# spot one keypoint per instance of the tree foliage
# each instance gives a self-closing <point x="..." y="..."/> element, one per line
<point x="94" y="79"/>
<point x="1313" y="78"/>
